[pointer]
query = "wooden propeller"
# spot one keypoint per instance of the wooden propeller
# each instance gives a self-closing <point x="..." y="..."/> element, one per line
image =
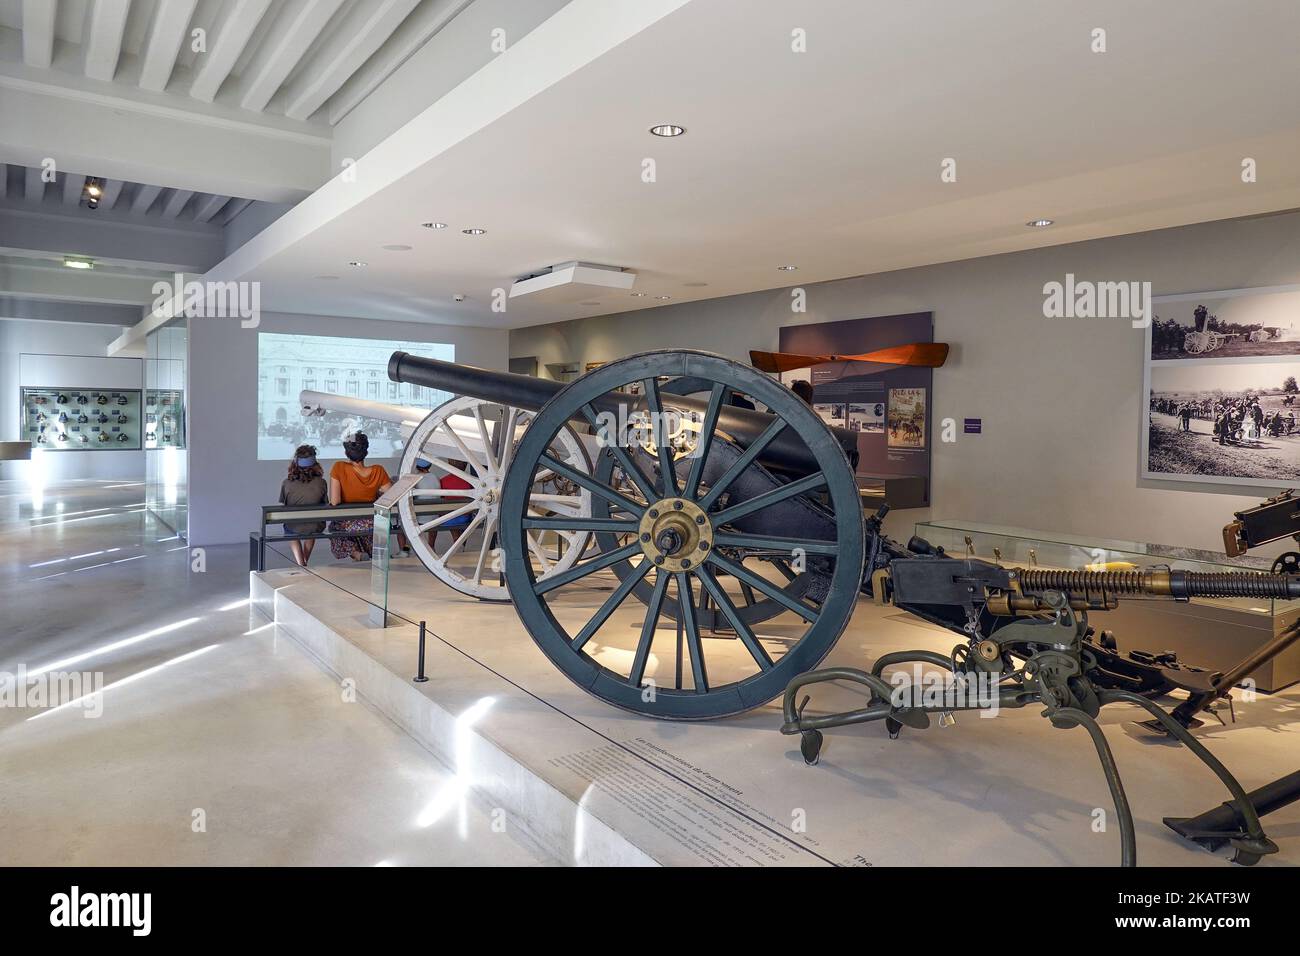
<point x="923" y="354"/>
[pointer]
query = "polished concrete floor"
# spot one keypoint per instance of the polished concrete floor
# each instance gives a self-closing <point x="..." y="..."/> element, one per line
<point x="218" y="741"/>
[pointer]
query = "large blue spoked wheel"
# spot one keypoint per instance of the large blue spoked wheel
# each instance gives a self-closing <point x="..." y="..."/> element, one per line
<point x="697" y="516"/>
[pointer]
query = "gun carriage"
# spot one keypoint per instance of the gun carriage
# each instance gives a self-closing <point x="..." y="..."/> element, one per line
<point x="711" y="515"/>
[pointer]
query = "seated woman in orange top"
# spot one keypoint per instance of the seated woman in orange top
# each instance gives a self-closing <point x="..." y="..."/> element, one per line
<point x="355" y="482"/>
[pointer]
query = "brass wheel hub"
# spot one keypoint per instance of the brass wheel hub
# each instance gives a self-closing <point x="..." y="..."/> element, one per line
<point x="675" y="534"/>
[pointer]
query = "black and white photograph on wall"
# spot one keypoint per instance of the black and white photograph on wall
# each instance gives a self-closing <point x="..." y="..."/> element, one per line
<point x="1223" y="421"/>
<point x="907" y="418"/>
<point x="868" y="417"/>
<point x="1225" y="325"/>
<point x="832" y="413"/>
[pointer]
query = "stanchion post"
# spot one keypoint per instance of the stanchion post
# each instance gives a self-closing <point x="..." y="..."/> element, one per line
<point x="420" y="677"/>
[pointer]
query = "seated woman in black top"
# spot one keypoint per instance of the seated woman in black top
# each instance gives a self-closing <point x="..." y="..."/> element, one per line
<point x="305" y="485"/>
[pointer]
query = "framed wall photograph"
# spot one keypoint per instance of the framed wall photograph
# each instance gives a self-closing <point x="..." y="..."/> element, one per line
<point x="1220" y="394"/>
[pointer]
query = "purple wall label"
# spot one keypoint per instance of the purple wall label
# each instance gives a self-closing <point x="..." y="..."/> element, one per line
<point x="973" y="426"/>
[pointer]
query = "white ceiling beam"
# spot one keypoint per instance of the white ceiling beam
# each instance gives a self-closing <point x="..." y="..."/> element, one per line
<point x="34" y="186"/>
<point x="416" y="31"/>
<point x="51" y="280"/>
<point x="207" y="207"/>
<point x="176" y="202"/>
<point x="73" y="186"/>
<point x="224" y="50"/>
<point x="171" y="22"/>
<point x="293" y="32"/>
<point x="38" y="32"/>
<point x="234" y="209"/>
<point x="111" y="238"/>
<point x="144" y="198"/>
<point x="103" y="39"/>
<point x="112" y="192"/>
<point x="121" y="132"/>
<point x="363" y="31"/>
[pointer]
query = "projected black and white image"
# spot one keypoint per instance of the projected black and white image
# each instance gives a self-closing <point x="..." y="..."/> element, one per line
<point x="352" y="368"/>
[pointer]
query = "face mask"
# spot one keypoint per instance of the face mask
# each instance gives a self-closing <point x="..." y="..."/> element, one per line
<point x="306" y="462"/>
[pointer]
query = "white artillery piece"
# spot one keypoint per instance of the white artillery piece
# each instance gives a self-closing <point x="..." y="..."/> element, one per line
<point x="475" y="441"/>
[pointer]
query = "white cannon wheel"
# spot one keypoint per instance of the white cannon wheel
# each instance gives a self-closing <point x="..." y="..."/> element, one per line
<point x="437" y="439"/>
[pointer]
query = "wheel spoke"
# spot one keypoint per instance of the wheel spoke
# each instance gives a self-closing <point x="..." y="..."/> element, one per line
<point x="579" y="571"/>
<point x="484" y="549"/>
<point x="566" y="523"/>
<point x="658" y="434"/>
<point x="463" y="539"/>
<point x="507" y="440"/>
<point x="686" y="604"/>
<point x="630" y="468"/>
<point x="648" y="631"/>
<point x="463" y="509"/>
<point x="538" y="553"/>
<point x="716" y="398"/>
<point x="483" y="437"/>
<point x="611" y="604"/>
<point x="774" y="543"/>
<point x="743" y="631"/>
<point x="464" y="450"/>
<point x="592" y="485"/>
<point x="768" y="498"/>
<point x="741" y="573"/>
<point x="743" y="462"/>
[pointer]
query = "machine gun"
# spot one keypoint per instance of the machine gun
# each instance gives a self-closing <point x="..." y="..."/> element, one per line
<point x="1027" y="641"/>
<point x="720" y="518"/>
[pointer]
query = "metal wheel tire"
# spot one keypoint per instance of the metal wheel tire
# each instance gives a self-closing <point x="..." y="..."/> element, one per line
<point x="464" y="429"/>
<point x="753" y="675"/>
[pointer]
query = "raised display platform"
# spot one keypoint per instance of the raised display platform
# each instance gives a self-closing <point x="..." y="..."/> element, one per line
<point x="595" y="785"/>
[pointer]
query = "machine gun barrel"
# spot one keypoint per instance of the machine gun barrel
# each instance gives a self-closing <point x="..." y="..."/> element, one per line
<point x="1162" y="582"/>
<point x="786" y="452"/>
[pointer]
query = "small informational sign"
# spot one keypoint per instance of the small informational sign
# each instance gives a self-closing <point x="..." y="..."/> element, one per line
<point x="973" y="426"/>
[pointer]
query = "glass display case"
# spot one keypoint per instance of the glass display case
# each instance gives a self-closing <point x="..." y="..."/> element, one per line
<point x="1207" y="632"/>
<point x="165" y="456"/>
<point x="81" y="419"/>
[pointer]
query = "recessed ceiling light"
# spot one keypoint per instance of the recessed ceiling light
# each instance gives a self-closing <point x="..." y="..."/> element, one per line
<point x="474" y="232"/>
<point x="663" y="297"/>
<point x="1039" y="223"/>
<point x="93" y="190"/>
<point x="667" y="129"/>
<point x="357" y="262"/>
<point x="434" y="225"/>
<point x="787" y="268"/>
<point x="638" y="295"/>
<point x="72" y="263"/>
<point x="397" y="247"/>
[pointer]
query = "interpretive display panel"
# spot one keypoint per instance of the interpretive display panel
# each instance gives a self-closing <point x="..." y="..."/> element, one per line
<point x="1221" y="390"/>
<point x="81" y="419"/>
<point x="887" y="405"/>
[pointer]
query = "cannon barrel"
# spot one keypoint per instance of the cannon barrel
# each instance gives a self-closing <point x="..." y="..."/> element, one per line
<point x="786" y="452"/>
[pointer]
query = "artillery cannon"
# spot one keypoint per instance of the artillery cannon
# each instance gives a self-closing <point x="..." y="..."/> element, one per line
<point x="758" y="514"/>
<point x="1196" y="343"/>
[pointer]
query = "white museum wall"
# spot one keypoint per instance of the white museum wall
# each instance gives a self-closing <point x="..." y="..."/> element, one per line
<point x="67" y="354"/>
<point x="1059" y="398"/>
<point x="227" y="483"/>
